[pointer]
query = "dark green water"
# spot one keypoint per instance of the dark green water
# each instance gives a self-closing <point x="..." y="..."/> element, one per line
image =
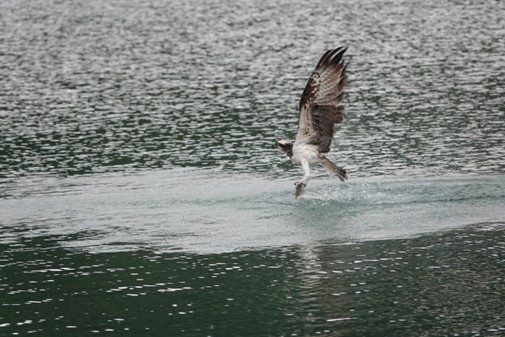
<point x="438" y="285"/>
<point x="140" y="194"/>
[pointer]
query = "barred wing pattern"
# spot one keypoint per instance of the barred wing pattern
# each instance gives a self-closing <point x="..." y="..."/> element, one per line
<point x="319" y="105"/>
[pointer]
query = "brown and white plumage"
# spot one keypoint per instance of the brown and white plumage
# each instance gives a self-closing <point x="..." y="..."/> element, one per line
<point x="320" y="110"/>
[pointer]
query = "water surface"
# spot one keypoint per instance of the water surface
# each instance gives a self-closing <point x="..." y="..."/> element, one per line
<point x="140" y="194"/>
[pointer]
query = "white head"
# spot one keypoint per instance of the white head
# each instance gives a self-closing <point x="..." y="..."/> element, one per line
<point x="285" y="146"/>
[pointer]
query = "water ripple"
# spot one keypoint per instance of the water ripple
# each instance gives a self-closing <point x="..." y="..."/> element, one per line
<point x="129" y="85"/>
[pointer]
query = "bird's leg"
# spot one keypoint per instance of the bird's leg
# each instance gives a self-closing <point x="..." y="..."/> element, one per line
<point x="300" y="186"/>
<point x="333" y="170"/>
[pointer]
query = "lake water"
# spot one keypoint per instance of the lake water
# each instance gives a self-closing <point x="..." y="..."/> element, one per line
<point x="140" y="194"/>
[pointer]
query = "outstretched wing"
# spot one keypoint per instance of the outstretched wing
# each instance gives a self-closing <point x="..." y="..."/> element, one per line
<point x="319" y="105"/>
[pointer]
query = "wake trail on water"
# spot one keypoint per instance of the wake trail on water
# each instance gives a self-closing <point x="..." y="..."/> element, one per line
<point x="212" y="211"/>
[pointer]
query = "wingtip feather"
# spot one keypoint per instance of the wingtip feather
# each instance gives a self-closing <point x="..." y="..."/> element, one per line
<point x="332" y="56"/>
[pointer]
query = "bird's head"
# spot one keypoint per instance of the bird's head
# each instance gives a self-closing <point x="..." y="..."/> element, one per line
<point x="285" y="146"/>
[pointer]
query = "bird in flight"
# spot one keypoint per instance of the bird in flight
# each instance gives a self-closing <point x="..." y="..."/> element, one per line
<point x="320" y="110"/>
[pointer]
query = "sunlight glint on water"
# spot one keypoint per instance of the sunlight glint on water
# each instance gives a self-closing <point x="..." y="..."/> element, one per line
<point x="140" y="194"/>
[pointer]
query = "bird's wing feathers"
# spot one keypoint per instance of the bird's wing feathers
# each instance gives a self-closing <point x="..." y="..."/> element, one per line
<point x="319" y="105"/>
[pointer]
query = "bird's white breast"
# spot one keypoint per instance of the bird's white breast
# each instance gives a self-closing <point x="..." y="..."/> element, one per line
<point x="305" y="151"/>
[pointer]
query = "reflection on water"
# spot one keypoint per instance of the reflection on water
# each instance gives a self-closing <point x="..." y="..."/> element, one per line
<point x="188" y="253"/>
<point x="438" y="285"/>
<point x="162" y="89"/>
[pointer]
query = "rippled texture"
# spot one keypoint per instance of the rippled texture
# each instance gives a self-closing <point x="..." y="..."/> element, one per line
<point x="381" y="288"/>
<point x="100" y="86"/>
<point x="140" y="194"/>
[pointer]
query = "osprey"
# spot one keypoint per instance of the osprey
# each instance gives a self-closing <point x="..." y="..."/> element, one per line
<point x="319" y="109"/>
